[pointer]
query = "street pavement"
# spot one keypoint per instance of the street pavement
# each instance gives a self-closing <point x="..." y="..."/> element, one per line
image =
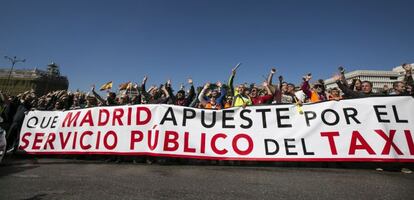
<point x="54" y="178"/>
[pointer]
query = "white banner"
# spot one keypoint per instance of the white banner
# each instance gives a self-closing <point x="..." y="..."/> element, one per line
<point x="369" y="129"/>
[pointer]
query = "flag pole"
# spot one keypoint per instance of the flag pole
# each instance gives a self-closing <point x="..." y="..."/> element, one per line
<point x="237" y="66"/>
<point x="298" y="106"/>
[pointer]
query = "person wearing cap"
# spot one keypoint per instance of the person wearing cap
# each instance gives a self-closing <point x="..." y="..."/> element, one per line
<point x="317" y="93"/>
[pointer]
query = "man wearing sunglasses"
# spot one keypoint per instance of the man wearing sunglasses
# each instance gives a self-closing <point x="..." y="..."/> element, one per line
<point x="317" y="93"/>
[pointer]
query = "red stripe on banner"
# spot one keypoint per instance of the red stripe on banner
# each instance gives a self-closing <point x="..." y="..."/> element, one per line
<point x="229" y="158"/>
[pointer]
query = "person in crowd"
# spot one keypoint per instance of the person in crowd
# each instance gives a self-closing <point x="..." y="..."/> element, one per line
<point x="41" y="103"/>
<point x="289" y="95"/>
<point x="408" y="78"/>
<point x="403" y="87"/>
<point x="11" y="103"/>
<point x="91" y="101"/>
<point x="317" y="93"/>
<point x="334" y="94"/>
<point x="66" y="99"/>
<point x="240" y="94"/>
<point x="59" y="106"/>
<point x="110" y="98"/>
<point x="278" y="89"/>
<point x="180" y="98"/>
<point x="261" y="99"/>
<point x="228" y="101"/>
<point x="195" y="102"/>
<point x="123" y="99"/>
<point x="136" y="100"/>
<point x="213" y="102"/>
<point x="154" y="95"/>
<point x="283" y="94"/>
<point x="137" y="97"/>
<point x="398" y="88"/>
<point x="50" y="99"/>
<point x="356" y="85"/>
<point x="366" y="88"/>
<point x="385" y="90"/>
<point x="12" y="135"/>
<point x="76" y="102"/>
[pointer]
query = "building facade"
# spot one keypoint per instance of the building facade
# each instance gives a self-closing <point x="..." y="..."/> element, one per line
<point x="377" y="77"/>
<point x="41" y="81"/>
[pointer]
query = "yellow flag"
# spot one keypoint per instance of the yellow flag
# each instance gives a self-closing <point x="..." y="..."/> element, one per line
<point x="298" y="105"/>
<point x="106" y="86"/>
<point x="124" y="86"/>
<point x="129" y="86"/>
<point x="299" y="109"/>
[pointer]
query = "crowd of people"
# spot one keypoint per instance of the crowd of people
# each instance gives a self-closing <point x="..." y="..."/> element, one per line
<point x="210" y="96"/>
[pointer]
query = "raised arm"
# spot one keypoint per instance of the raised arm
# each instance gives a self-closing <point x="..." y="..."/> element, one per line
<point x="266" y="86"/>
<point x="171" y="96"/>
<point x="4" y="98"/>
<point x="305" y="85"/>
<point x="352" y="86"/>
<point x="202" y="94"/>
<point x="144" y="81"/>
<point x="270" y="76"/>
<point x="191" y="94"/>
<point x="408" y="78"/>
<point x="342" y="73"/>
<point x="230" y="82"/>
<point x="143" y="90"/>
<point x="97" y="96"/>
<point x="167" y="90"/>
<point x="223" y="92"/>
<point x="346" y="90"/>
<point x="280" y="82"/>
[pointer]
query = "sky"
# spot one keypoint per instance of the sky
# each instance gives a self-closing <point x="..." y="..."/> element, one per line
<point x="98" y="41"/>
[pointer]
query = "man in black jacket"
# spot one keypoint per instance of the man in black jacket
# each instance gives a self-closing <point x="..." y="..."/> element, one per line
<point x="366" y="88"/>
<point x="14" y="130"/>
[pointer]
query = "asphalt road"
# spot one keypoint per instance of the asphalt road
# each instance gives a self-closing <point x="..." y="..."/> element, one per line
<point x="47" y="178"/>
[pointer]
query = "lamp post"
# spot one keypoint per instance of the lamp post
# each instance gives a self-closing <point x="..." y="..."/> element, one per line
<point x="13" y="61"/>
